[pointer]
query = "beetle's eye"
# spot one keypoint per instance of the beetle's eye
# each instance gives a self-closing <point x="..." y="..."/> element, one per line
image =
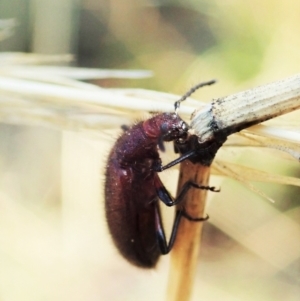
<point x="164" y="128"/>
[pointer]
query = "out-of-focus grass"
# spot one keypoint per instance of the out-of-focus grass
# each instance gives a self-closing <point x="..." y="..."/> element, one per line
<point x="54" y="241"/>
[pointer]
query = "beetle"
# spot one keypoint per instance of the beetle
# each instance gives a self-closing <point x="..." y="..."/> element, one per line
<point x="133" y="187"/>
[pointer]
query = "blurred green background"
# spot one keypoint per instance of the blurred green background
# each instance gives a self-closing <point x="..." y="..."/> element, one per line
<point x="57" y="248"/>
<point x="181" y="41"/>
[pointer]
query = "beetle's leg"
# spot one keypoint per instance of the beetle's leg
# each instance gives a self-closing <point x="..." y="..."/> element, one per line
<point x="186" y="187"/>
<point x="162" y="193"/>
<point x="194" y="219"/>
<point x="176" y="161"/>
<point x="165" y="247"/>
<point x="160" y="233"/>
<point x="161" y="145"/>
<point x="165" y="196"/>
<point x="195" y="152"/>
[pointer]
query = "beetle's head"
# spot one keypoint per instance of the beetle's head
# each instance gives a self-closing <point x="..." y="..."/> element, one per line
<point x="166" y="127"/>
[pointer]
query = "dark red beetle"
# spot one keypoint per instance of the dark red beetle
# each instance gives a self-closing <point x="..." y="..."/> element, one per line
<point x="133" y="188"/>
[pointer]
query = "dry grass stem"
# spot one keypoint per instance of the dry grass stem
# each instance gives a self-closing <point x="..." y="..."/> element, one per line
<point x="185" y="252"/>
<point x="239" y="111"/>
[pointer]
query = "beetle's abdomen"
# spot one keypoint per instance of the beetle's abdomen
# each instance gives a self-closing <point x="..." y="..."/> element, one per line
<point x="129" y="207"/>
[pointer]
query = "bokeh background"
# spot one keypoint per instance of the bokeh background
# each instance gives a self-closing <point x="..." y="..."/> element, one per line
<point x="54" y="241"/>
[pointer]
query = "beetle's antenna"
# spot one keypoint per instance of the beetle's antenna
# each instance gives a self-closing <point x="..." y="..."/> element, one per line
<point x="191" y="91"/>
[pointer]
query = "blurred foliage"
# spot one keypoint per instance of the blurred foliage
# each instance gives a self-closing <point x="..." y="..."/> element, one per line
<point x="228" y="37"/>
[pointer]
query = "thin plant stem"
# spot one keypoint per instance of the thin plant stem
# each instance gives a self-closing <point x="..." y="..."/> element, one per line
<point x="184" y="255"/>
<point x="247" y="108"/>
